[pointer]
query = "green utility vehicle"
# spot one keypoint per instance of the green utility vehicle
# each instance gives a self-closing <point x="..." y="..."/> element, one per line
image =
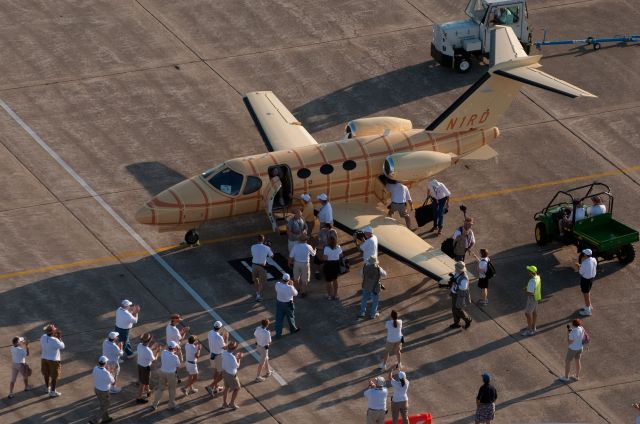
<point x="567" y="220"/>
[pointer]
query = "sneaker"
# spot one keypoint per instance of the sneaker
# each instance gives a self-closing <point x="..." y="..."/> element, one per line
<point x="585" y="312"/>
<point x="467" y="324"/>
<point x="11" y="396"/>
<point x="259" y="379"/>
<point x="28" y="388"/>
<point x="193" y="390"/>
<point x="564" y="379"/>
<point x="575" y="377"/>
<point x="234" y="406"/>
<point x="269" y="373"/>
<point x="360" y="315"/>
<point x="376" y="315"/>
<point x="219" y="390"/>
<point x="525" y="332"/>
<point x="115" y="390"/>
<point x="455" y="326"/>
<point x="225" y="405"/>
<point x="382" y="366"/>
<point x="295" y="331"/>
<point x="258" y="298"/>
<point x="133" y="355"/>
<point x="210" y="391"/>
<point x="54" y="393"/>
<point x="154" y="406"/>
<point x="584" y="308"/>
<point x="47" y="389"/>
<point x="142" y="400"/>
<point x="184" y="390"/>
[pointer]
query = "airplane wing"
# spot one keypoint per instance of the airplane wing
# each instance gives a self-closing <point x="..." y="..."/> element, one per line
<point x="279" y="129"/>
<point x="395" y="239"/>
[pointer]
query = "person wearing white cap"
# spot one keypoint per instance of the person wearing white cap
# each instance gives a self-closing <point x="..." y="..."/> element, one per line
<point x="308" y="212"/>
<point x="296" y="227"/>
<point x="50" y="365"/>
<point x="126" y="317"/>
<point x="167" y="375"/>
<point x="102" y="384"/>
<point x="217" y="344"/>
<point x="260" y="252"/>
<point x="376" y="395"/>
<point x="372" y="272"/>
<point x="263" y="340"/>
<point x="112" y="349"/>
<point x="325" y="214"/>
<point x="587" y="273"/>
<point x="19" y="353"/>
<point x="440" y="195"/>
<point x="460" y="297"/>
<point x="370" y="246"/>
<point x="285" y="292"/>
<point x="399" y="399"/>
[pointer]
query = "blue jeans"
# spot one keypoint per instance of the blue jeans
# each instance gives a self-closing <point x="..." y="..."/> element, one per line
<point x="123" y="336"/>
<point x="366" y="294"/>
<point x="438" y="212"/>
<point x="285" y="309"/>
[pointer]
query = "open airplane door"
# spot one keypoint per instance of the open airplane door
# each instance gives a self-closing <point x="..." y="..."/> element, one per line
<point x="268" y="194"/>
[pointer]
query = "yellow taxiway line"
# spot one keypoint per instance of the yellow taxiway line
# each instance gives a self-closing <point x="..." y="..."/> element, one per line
<point x="142" y="253"/>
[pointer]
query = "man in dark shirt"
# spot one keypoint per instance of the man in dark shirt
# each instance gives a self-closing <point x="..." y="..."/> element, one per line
<point x="485" y="401"/>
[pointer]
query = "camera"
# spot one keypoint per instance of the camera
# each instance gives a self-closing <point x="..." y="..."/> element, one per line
<point x="359" y="235"/>
<point x="568" y="327"/>
<point x="267" y="243"/>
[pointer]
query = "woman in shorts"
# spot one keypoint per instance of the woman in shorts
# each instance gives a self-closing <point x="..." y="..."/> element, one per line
<point x="574" y="339"/>
<point x="394" y="342"/>
<point x="19" y="353"/>
<point x="483" y="280"/>
<point x="332" y="254"/>
<point x="192" y="352"/>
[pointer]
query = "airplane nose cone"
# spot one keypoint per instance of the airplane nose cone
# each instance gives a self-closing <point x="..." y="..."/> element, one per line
<point x="145" y="215"/>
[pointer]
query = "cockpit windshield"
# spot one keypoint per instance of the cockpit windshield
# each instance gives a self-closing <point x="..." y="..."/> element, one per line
<point x="476" y="10"/>
<point x="227" y="181"/>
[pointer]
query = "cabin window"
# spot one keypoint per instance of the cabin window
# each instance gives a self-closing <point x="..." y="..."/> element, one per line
<point x="304" y="173"/>
<point x="227" y="181"/>
<point x="349" y="165"/>
<point x="253" y="184"/>
<point x="326" y="169"/>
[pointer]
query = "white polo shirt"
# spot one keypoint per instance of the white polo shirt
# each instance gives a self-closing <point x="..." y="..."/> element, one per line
<point x="229" y="363"/>
<point x="259" y="253"/>
<point x="399" y="392"/>
<point x="596" y="210"/>
<point x="376" y="398"/>
<point x="50" y="347"/>
<point x="216" y="342"/>
<point x="439" y="192"/>
<point x="173" y="334"/>
<point x="588" y="268"/>
<point x="18" y="355"/>
<point x="145" y="355"/>
<point x="394" y="334"/>
<point x="370" y="247"/>
<point x="325" y="214"/>
<point x="102" y="379"/>
<point x="124" y="318"/>
<point x="575" y="336"/>
<point x="285" y="292"/>
<point x="190" y="352"/>
<point x="263" y="336"/>
<point x="483" y="264"/>
<point x="332" y="254"/>
<point x="399" y="193"/>
<point x="111" y="351"/>
<point x="169" y="362"/>
<point x="301" y="251"/>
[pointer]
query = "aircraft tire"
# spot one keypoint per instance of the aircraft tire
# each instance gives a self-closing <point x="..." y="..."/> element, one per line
<point x="191" y="237"/>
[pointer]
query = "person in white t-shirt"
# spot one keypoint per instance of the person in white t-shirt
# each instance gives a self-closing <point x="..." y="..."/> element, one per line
<point x="170" y="362"/>
<point x="175" y="334"/>
<point x="50" y="345"/>
<point x="399" y="399"/>
<point x="218" y="339"/>
<point x="19" y="353"/>
<point x="192" y="353"/>
<point x="300" y="259"/>
<point x="102" y="384"/>
<point x="370" y="246"/>
<point x="393" y="345"/>
<point x="574" y="340"/>
<point x="230" y="365"/>
<point x="126" y="317"/>
<point x="400" y="197"/>
<point x="263" y="340"/>
<point x="483" y="280"/>
<point x="325" y="213"/>
<point x="260" y="252"/>
<point x="332" y="254"/>
<point x="439" y="193"/>
<point x="598" y="208"/>
<point x="147" y="352"/>
<point x="587" y="271"/>
<point x="376" y="395"/>
<point x="112" y="349"/>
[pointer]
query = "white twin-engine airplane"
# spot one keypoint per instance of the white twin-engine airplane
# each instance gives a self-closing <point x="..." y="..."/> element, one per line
<point x="348" y="170"/>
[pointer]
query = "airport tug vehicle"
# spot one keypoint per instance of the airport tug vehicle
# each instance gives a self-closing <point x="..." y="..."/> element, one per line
<point x="567" y="220"/>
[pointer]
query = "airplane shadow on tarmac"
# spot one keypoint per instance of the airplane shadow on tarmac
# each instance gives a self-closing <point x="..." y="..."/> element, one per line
<point x="154" y="176"/>
<point x="381" y="93"/>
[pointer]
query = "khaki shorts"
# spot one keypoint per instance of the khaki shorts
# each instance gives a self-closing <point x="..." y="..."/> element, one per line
<point x="392" y="348"/>
<point x="301" y="270"/>
<point x="401" y="208"/>
<point x="259" y="272"/>
<point x="531" y="306"/>
<point x="573" y="354"/>
<point x="16" y="369"/>
<point x="192" y="369"/>
<point x="264" y="353"/>
<point x="217" y="363"/>
<point x="50" y="369"/>
<point x="231" y="381"/>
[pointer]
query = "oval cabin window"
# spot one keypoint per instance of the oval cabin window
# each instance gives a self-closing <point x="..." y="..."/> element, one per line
<point x="304" y="173"/>
<point x="326" y="169"/>
<point x="349" y="165"/>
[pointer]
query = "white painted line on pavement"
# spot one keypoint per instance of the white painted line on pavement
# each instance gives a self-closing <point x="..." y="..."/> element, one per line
<point x="134" y="234"/>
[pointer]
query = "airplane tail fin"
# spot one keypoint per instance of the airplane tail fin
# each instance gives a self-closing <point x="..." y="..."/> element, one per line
<point x="482" y="105"/>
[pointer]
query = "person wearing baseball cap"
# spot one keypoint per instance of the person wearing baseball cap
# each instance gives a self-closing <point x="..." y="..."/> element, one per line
<point x="174" y="334"/>
<point x="260" y="253"/>
<point x="308" y="212"/>
<point x="19" y="353"/>
<point x="460" y="296"/>
<point x="485" y="401"/>
<point x="147" y="353"/>
<point x="170" y="362"/>
<point x="50" y="345"/>
<point x="126" y="317"/>
<point x="587" y="273"/>
<point x="103" y="381"/>
<point x="370" y="246"/>
<point x="285" y="292"/>
<point x="399" y="399"/>
<point x="112" y="349"/>
<point x="376" y="395"/>
<point x="325" y="214"/>
<point x="218" y="339"/>
<point x="534" y="295"/>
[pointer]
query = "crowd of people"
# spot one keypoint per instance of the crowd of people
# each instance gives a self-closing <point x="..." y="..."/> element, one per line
<point x="306" y="252"/>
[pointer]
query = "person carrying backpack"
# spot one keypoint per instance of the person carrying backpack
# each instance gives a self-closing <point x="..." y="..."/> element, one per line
<point x="486" y="271"/>
<point x="577" y="337"/>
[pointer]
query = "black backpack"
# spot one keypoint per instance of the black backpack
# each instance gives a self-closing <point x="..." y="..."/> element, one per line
<point x="491" y="270"/>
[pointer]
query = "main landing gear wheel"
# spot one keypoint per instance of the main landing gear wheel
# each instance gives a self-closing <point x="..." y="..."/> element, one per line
<point x="541" y="234"/>
<point x="626" y="255"/>
<point x="192" y="238"/>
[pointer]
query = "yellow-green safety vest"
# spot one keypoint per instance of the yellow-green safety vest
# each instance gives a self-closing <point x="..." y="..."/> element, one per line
<point x="537" y="293"/>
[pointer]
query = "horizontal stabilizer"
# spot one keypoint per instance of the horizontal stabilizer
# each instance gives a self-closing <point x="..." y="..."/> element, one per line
<point x="483" y="153"/>
<point x="532" y="76"/>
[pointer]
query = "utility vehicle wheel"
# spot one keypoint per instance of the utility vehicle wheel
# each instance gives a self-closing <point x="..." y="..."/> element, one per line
<point x="596" y="46"/>
<point x="541" y="234"/>
<point x="626" y="254"/>
<point x="463" y="64"/>
<point x="191" y="237"/>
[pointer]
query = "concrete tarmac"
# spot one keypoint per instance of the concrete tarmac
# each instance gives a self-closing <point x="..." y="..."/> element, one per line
<point x="137" y="95"/>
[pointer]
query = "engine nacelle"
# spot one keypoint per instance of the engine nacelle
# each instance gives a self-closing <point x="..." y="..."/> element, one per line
<point x="381" y="125"/>
<point x="415" y="166"/>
